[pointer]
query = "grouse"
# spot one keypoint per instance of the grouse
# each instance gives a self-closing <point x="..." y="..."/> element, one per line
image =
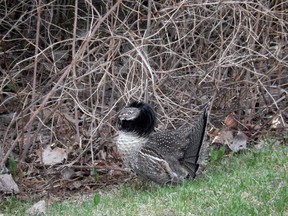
<point x="163" y="157"/>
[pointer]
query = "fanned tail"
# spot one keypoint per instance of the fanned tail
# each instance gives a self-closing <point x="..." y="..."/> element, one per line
<point x="196" y="137"/>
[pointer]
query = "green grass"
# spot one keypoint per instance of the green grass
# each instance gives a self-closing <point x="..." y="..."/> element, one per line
<point x="253" y="182"/>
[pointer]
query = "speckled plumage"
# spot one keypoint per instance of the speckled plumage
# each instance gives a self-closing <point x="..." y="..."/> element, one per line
<point x="163" y="157"/>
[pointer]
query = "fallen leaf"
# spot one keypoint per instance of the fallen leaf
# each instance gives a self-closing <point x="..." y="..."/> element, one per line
<point x="239" y="142"/>
<point x="37" y="208"/>
<point x="54" y="156"/>
<point x="214" y="132"/>
<point x="225" y="137"/>
<point x="276" y="122"/>
<point x="67" y="173"/>
<point x="5" y="119"/>
<point x="230" y="121"/>
<point x="76" y="184"/>
<point x="8" y="185"/>
<point x="234" y="142"/>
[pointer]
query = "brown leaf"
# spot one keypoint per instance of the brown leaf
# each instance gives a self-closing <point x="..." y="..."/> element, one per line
<point x="230" y="121"/>
<point x="234" y="142"/>
<point x="225" y="137"/>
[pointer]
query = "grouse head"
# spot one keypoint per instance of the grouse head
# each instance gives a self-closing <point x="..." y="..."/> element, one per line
<point x="138" y="118"/>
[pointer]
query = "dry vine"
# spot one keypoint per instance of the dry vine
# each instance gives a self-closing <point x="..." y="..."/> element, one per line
<point x="68" y="67"/>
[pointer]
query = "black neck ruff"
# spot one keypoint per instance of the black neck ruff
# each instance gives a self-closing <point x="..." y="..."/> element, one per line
<point x="144" y="124"/>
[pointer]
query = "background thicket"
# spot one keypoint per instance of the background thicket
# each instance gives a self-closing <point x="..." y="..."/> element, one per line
<point x="68" y="67"/>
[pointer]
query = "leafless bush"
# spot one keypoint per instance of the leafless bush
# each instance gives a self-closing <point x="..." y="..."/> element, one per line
<point x="67" y="67"/>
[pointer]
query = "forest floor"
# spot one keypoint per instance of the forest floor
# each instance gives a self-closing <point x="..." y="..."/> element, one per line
<point x="253" y="181"/>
